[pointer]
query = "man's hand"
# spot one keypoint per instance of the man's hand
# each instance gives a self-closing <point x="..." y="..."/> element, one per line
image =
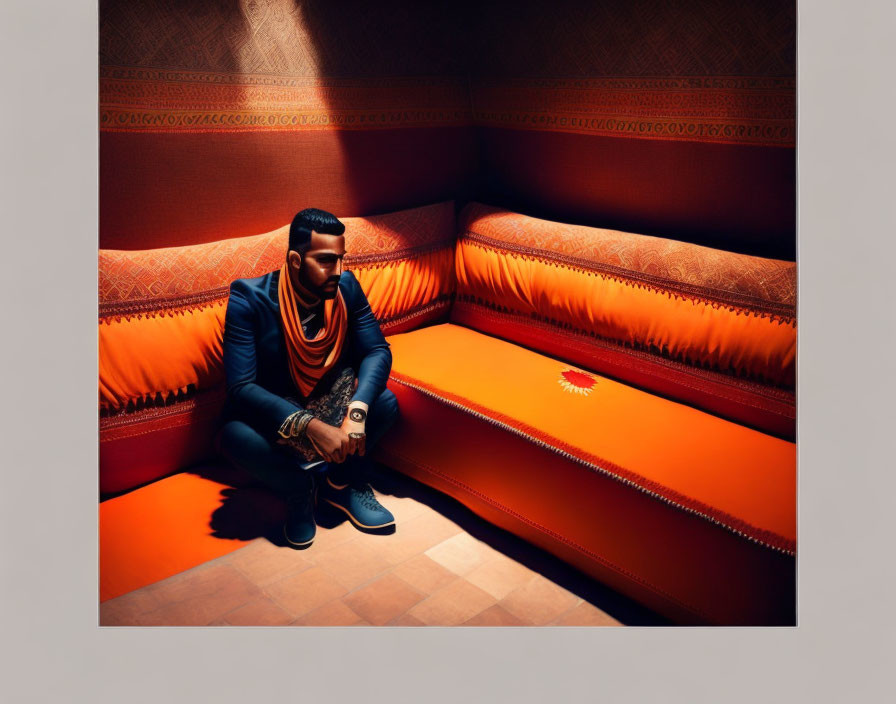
<point x="332" y="443"/>
<point x="356" y="436"/>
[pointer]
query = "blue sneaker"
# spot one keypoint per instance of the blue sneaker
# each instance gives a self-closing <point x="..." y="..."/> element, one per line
<point x="299" y="528"/>
<point x="358" y="503"/>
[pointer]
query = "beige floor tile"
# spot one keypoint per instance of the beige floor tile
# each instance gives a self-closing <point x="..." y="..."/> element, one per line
<point x="495" y="616"/>
<point x="383" y="599"/>
<point x="305" y="591"/>
<point x="539" y="601"/>
<point x="500" y="576"/>
<point x="406" y="620"/>
<point x="586" y="614"/>
<point x="453" y="604"/>
<point x="331" y="537"/>
<point x="353" y="563"/>
<point x="335" y="613"/>
<point x="126" y="610"/>
<point x="461" y="553"/>
<point x="263" y="562"/>
<point x="259" y="612"/>
<point x="199" y="596"/>
<point x="429" y="572"/>
<point x="403" y="508"/>
<point x="424" y="574"/>
<point x="413" y="538"/>
<point x="433" y="523"/>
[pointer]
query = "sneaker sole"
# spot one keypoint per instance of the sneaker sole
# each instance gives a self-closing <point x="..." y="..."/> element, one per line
<point x="355" y="520"/>
<point x="292" y="542"/>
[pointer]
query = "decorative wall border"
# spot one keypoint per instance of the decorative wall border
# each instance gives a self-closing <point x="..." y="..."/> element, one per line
<point x="717" y="109"/>
<point x="164" y="100"/>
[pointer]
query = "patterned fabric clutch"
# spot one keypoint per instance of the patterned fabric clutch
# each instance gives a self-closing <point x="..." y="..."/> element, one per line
<point x="329" y="407"/>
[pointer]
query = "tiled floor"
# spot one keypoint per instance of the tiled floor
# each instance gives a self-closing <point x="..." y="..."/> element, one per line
<point x="443" y="566"/>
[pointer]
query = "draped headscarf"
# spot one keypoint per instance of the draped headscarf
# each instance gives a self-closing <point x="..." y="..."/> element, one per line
<point x="309" y="360"/>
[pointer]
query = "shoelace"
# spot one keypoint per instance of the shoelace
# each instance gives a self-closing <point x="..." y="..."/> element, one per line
<point x="367" y="498"/>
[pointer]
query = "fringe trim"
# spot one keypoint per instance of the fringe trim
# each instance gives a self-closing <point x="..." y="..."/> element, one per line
<point x="151" y="400"/>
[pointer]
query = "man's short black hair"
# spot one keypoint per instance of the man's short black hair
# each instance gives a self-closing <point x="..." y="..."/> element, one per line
<point x="312" y="219"/>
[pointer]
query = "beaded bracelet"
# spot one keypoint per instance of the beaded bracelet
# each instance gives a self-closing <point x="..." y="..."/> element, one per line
<point x="295" y="424"/>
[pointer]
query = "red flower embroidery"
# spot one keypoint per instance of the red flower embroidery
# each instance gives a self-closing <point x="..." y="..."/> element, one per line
<point x="576" y="382"/>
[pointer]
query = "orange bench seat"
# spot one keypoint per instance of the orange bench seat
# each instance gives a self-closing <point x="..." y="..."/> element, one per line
<point x="599" y="462"/>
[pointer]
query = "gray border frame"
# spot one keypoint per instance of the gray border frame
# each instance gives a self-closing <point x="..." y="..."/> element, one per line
<point x="53" y="650"/>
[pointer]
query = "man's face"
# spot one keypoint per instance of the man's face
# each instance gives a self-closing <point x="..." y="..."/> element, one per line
<point x="322" y="264"/>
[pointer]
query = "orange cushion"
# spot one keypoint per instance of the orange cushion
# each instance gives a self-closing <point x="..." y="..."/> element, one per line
<point x="716" y="310"/>
<point x="162" y="311"/>
<point x="729" y="474"/>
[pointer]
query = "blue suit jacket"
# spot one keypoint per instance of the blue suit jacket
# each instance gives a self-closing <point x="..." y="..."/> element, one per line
<point x="255" y="357"/>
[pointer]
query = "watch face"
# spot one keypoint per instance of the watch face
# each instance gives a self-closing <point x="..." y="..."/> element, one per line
<point x="358" y="415"/>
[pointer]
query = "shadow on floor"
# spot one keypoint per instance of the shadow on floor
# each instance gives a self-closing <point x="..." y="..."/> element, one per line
<point x="250" y="511"/>
<point x="391" y="483"/>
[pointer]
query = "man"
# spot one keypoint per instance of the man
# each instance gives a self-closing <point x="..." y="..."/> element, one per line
<point x="294" y="340"/>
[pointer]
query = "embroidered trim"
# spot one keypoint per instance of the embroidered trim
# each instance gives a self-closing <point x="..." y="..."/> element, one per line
<point x="175" y="100"/>
<point x="736" y="525"/>
<point x="116" y="311"/>
<point x="371" y="260"/>
<point x="440" y="302"/>
<point x="708" y="109"/>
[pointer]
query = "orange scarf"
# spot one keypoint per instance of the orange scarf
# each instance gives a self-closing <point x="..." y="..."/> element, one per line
<point x="309" y="360"/>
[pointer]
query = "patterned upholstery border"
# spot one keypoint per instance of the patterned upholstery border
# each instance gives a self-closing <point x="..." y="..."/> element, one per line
<point x="177" y="278"/>
<point x="762" y="286"/>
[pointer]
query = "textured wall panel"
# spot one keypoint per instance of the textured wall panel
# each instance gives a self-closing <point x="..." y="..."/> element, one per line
<point x="167" y="189"/>
<point x="220" y="120"/>
<point x="672" y="117"/>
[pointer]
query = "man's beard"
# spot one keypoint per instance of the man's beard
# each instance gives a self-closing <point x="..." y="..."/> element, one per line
<point x="325" y="292"/>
